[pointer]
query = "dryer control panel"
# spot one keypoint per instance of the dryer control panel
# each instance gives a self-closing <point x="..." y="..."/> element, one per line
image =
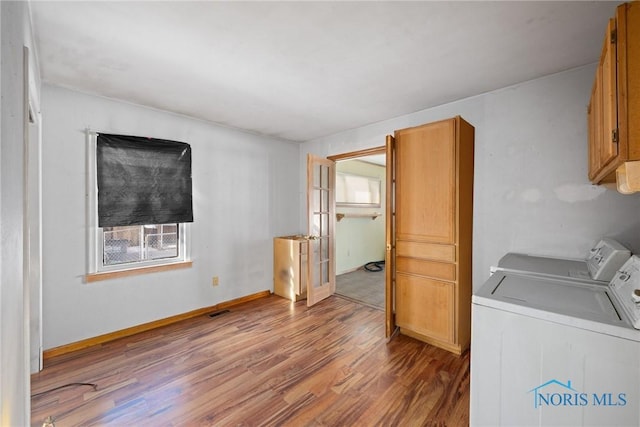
<point x="626" y="287"/>
<point x="606" y="258"/>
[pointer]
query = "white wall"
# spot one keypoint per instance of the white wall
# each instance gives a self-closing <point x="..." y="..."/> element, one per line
<point x="245" y="192"/>
<point x="360" y="240"/>
<point x="531" y="189"/>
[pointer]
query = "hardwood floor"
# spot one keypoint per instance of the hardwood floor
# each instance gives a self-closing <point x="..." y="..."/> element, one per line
<point x="267" y="362"/>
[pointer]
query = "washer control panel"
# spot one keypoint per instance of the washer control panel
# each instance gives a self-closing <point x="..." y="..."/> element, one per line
<point x="626" y="287"/>
<point x="606" y="258"/>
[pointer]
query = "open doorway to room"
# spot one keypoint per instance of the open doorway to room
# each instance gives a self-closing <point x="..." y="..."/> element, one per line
<point x="360" y="226"/>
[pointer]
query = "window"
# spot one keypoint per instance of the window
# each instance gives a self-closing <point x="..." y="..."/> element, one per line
<point x="138" y="246"/>
<point x="357" y="190"/>
<point x="139" y="203"/>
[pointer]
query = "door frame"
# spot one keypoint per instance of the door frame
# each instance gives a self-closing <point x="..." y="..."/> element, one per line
<point x="360" y="153"/>
<point x="32" y="218"/>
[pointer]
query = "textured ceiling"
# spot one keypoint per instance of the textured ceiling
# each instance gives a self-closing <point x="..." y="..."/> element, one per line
<point x="301" y="70"/>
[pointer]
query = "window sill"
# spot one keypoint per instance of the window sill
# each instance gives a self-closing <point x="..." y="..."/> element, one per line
<point x="95" y="277"/>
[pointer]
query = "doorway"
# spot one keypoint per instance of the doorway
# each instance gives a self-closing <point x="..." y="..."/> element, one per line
<point x="360" y="226"/>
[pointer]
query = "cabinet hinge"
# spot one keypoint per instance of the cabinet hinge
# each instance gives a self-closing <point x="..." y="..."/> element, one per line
<point x="614" y="136"/>
<point x="614" y="36"/>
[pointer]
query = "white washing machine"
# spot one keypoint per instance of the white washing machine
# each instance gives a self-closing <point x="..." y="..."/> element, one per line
<point x="551" y="351"/>
<point x="601" y="263"/>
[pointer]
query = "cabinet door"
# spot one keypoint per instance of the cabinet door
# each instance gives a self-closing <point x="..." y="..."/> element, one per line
<point x="426" y="183"/>
<point x="595" y="126"/>
<point x="609" y="146"/>
<point x="287" y="268"/>
<point x="301" y="288"/>
<point x="427" y="306"/>
<point x="603" y="110"/>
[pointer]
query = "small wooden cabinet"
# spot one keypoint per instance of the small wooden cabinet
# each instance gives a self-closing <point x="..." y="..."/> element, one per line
<point x="290" y="267"/>
<point x="614" y="109"/>
<point x="433" y="231"/>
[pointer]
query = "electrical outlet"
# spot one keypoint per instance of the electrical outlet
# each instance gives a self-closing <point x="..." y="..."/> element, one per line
<point x="215" y="281"/>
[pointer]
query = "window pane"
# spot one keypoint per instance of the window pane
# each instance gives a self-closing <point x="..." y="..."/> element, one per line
<point x="325" y="272"/>
<point x="316" y="201"/>
<point x="324" y="204"/>
<point x="316" y="280"/>
<point x="324" y="176"/>
<point x="121" y="245"/>
<point x="324" y="249"/>
<point x="131" y="244"/>
<point x="161" y="242"/>
<point x="315" y="249"/>
<point x="316" y="177"/>
<point x="324" y="225"/>
<point x="315" y="225"/>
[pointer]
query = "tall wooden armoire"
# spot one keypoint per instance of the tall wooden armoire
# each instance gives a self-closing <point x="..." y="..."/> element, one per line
<point x="432" y="234"/>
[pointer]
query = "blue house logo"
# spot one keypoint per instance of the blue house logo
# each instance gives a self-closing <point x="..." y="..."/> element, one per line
<point x="561" y="395"/>
<point x="555" y="393"/>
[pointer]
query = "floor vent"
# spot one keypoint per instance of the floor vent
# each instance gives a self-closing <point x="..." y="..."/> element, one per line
<point x="218" y="313"/>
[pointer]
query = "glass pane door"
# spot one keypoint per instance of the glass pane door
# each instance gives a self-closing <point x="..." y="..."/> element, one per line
<point x="321" y="211"/>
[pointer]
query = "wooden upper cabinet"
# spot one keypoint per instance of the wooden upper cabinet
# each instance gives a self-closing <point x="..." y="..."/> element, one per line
<point x="614" y="108"/>
<point x="426" y="183"/>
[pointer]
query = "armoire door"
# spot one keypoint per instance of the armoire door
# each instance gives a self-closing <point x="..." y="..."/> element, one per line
<point x="426" y="184"/>
<point x="429" y="241"/>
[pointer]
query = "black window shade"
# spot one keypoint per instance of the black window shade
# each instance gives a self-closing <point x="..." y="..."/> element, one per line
<point x="143" y="181"/>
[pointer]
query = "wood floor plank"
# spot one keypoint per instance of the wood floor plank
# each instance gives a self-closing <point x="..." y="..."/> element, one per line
<point x="268" y="362"/>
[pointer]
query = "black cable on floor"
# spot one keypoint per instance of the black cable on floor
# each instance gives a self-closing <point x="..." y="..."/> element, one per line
<point x="95" y="387"/>
<point x="374" y="266"/>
